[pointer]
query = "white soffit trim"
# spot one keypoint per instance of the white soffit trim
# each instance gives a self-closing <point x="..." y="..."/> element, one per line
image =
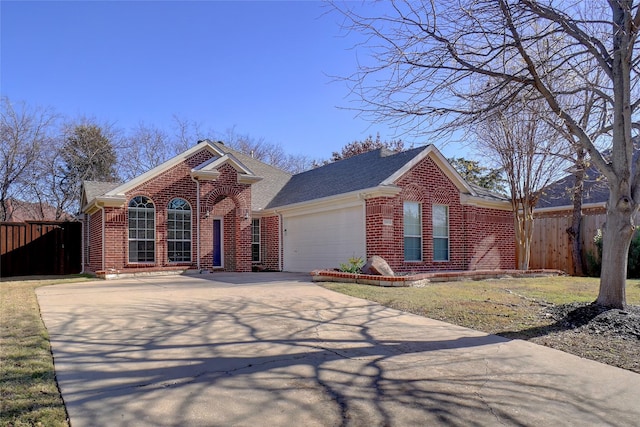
<point x="209" y="169"/>
<point x="440" y="161"/>
<point x="104" y="201"/>
<point x="204" y="145"/>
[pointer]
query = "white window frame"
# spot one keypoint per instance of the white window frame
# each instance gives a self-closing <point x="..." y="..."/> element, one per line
<point x="412" y="236"/>
<point x="443" y="236"/>
<point x="138" y="200"/>
<point x="256" y="242"/>
<point x="183" y="240"/>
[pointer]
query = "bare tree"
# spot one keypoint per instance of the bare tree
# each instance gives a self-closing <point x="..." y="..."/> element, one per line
<point x="427" y="57"/>
<point x="46" y="185"/>
<point x="270" y="153"/>
<point x="145" y="147"/>
<point x="24" y="133"/>
<point x="525" y="147"/>
<point x="186" y="133"/>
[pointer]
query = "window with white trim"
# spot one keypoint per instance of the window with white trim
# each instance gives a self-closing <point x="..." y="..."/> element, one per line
<point x="179" y="231"/>
<point x="142" y="230"/>
<point x="412" y="231"/>
<point x="440" y="233"/>
<point x="255" y="240"/>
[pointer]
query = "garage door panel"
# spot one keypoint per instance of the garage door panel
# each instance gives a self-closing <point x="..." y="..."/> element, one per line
<point x="323" y="240"/>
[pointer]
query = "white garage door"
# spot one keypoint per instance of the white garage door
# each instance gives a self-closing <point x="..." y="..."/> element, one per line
<point x="323" y="240"/>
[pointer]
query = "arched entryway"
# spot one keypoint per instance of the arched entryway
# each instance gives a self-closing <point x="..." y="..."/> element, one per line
<point x="225" y="231"/>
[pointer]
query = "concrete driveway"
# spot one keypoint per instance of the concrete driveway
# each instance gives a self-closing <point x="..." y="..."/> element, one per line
<point x="271" y="349"/>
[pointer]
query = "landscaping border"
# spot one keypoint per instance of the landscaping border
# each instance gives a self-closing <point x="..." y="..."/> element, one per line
<point x="422" y="279"/>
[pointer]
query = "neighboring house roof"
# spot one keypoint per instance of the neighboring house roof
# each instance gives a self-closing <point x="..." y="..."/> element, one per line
<point x="21" y="211"/>
<point x="559" y="195"/>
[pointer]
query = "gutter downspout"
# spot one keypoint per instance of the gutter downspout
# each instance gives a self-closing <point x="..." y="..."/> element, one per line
<point x="84" y="220"/>
<point x="363" y="197"/>
<point x="280" y="240"/>
<point x="197" y="221"/>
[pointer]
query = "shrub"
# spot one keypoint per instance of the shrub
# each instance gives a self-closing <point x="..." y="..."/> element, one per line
<point x="594" y="261"/>
<point x="353" y="265"/>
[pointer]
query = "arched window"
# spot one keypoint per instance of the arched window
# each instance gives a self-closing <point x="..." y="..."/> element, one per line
<point x="179" y="231"/>
<point x="142" y="230"/>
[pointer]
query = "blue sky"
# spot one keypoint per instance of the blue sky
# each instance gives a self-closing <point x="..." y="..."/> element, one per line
<point x="263" y="68"/>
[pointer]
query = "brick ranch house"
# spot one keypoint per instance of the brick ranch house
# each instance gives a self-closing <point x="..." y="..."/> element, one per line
<point x="217" y="209"/>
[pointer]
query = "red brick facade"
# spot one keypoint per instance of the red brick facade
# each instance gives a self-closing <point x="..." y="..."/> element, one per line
<point x="223" y="198"/>
<point x="479" y="238"/>
<point x="271" y="252"/>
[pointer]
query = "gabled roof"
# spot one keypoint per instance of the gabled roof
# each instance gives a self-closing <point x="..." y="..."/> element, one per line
<point x="93" y="189"/>
<point x="272" y="188"/>
<point x="140" y="179"/>
<point x="266" y="180"/>
<point x="273" y="179"/>
<point x="378" y="168"/>
<point x="210" y="169"/>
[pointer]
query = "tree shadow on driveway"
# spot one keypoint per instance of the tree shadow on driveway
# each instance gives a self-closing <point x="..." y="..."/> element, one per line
<point x="267" y="356"/>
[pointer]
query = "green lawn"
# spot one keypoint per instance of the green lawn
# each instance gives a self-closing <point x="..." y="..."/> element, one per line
<point x="493" y="306"/>
<point x="29" y="395"/>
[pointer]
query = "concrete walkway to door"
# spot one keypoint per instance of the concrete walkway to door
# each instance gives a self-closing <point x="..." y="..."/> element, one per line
<point x="271" y="349"/>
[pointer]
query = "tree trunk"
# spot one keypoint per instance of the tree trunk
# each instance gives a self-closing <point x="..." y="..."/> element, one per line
<point x="576" y="220"/>
<point x="617" y="234"/>
<point x="523" y="215"/>
<point x="618" y="229"/>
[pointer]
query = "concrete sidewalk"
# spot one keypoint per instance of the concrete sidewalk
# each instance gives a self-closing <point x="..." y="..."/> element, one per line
<point x="271" y="349"/>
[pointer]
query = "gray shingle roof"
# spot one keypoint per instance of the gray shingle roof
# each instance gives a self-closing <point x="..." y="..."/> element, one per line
<point x="355" y="173"/>
<point x="262" y="191"/>
<point x="486" y="193"/>
<point x="279" y="188"/>
<point x="93" y="189"/>
<point x="560" y="193"/>
<point x="273" y="179"/>
<point x="595" y="188"/>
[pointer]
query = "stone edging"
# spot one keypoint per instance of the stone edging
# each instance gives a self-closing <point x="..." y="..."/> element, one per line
<point x="421" y="279"/>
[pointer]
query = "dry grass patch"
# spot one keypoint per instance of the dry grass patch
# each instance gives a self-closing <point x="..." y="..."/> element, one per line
<point x="29" y="394"/>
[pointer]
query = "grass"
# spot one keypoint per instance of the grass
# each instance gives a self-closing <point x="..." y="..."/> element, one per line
<point x="492" y="306"/>
<point x="29" y="394"/>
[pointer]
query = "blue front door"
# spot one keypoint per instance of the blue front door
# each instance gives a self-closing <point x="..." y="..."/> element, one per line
<point x="217" y="242"/>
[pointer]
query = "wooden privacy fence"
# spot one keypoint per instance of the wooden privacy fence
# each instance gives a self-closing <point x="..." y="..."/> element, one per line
<point x="550" y="246"/>
<point x="40" y="247"/>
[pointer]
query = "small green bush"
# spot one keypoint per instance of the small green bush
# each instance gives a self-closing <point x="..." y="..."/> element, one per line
<point x="353" y="265"/>
<point x="594" y="262"/>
